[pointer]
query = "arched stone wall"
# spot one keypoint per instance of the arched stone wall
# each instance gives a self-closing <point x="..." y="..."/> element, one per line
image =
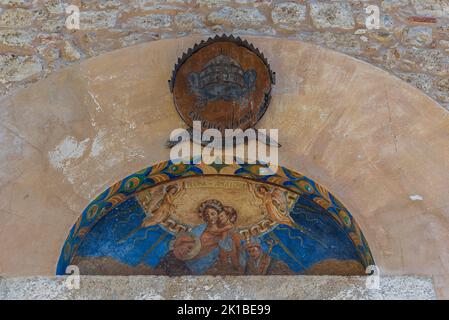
<point x="412" y="41"/>
<point x="378" y="144"/>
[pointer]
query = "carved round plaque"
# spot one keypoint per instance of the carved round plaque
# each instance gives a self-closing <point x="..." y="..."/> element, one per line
<point x="223" y="82"/>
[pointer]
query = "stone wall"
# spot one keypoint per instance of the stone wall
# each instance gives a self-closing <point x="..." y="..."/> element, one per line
<point x="412" y="43"/>
<point x="232" y="288"/>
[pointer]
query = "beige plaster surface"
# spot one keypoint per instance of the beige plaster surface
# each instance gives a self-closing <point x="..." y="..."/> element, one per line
<point x="371" y="139"/>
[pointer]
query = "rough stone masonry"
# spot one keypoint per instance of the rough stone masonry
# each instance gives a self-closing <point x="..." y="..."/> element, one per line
<point x="411" y="43"/>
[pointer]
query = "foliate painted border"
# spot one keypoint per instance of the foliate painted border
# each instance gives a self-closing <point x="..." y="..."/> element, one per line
<point x="167" y="170"/>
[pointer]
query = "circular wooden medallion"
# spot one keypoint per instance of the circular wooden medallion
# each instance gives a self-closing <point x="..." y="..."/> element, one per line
<point x="223" y="82"/>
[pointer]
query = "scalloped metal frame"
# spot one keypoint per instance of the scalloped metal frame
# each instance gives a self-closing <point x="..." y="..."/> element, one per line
<point x="223" y="38"/>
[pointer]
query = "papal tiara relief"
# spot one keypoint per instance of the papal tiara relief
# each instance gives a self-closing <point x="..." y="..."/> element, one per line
<point x="224" y="82"/>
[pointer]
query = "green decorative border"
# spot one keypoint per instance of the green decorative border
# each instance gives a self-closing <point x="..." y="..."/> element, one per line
<point x="168" y="171"/>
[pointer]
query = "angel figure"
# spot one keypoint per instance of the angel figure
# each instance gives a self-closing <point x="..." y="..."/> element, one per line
<point x="160" y="212"/>
<point x="164" y="207"/>
<point x="274" y="205"/>
<point x="276" y="208"/>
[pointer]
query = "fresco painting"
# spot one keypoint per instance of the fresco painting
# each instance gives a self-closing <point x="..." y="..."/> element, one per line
<point x="192" y="218"/>
<point x="216" y="224"/>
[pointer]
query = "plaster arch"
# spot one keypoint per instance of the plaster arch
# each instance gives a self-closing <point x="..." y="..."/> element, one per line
<point x="378" y="144"/>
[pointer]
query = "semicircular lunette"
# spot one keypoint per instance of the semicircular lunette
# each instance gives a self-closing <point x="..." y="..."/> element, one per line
<point x="182" y="219"/>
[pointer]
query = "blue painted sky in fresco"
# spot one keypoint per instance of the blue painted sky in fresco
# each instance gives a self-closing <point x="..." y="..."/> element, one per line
<point x="300" y="251"/>
<point x="118" y="235"/>
<point x="110" y="237"/>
